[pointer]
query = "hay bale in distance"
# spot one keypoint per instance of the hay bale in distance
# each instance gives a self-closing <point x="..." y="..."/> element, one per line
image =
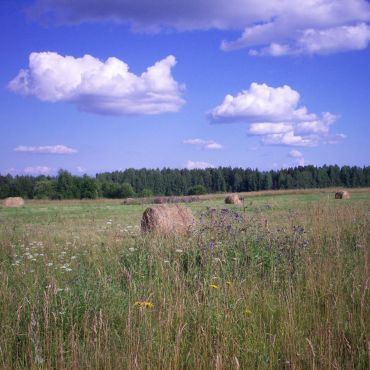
<point x="128" y="201"/>
<point x="159" y="200"/>
<point x="13" y="202"/>
<point x="342" y="195"/>
<point x="233" y="199"/>
<point x="167" y="219"/>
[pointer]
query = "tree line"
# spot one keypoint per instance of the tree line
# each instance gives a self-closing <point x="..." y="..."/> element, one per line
<point x="152" y="182"/>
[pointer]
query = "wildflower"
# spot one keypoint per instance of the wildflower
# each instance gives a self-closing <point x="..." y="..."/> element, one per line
<point x="213" y="286"/>
<point x="248" y="311"/>
<point x="68" y="269"/>
<point x="144" y="304"/>
<point x="131" y="249"/>
<point x="166" y="261"/>
<point x="211" y="245"/>
<point x="73" y="257"/>
<point x="178" y="251"/>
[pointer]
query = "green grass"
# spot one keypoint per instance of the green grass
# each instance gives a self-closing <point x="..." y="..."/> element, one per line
<point x="282" y="286"/>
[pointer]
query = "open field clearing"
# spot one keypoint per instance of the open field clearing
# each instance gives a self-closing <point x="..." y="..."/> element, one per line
<point x="281" y="282"/>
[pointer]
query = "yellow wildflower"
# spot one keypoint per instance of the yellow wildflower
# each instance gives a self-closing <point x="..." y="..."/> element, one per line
<point x="248" y="311"/>
<point x="145" y="304"/>
<point x="213" y="286"/>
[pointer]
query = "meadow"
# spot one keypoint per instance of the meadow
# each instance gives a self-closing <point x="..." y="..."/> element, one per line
<point x="280" y="283"/>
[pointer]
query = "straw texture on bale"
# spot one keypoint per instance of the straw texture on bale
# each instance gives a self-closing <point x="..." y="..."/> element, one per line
<point x="342" y="195"/>
<point x="13" y="202"/>
<point x="167" y="219"/>
<point x="233" y="199"/>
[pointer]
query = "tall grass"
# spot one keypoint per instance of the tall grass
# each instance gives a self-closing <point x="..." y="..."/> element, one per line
<point x="242" y="292"/>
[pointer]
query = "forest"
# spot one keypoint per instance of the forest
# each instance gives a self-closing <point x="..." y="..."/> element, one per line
<point x="152" y="182"/>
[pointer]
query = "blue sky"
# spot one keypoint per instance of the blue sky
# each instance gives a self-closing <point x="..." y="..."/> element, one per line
<point x="244" y="83"/>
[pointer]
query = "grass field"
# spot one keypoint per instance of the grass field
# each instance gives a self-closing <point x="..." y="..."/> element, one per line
<point x="280" y="284"/>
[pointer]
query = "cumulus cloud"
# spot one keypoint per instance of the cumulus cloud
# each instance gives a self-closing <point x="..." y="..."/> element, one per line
<point x="261" y="102"/>
<point x="268" y="27"/>
<point x="275" y="115"/>
<point x="295" y="154"/>
<point x="205" y="144"/>
<point x="48" y="149"/>
<point x="269" y="128"/>
<point x="100" y="87"/>
<point x="298" y="157"/>
<point x="37" y="170"/>
<point x="191" y="165"/>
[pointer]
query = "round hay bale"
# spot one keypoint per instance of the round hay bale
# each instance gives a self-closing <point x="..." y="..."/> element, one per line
<point x="342" y="195"/>
<point x="159" y="200"/>
<point x="128" y="201"/>
<point x="233" y="199"/>
<point x="167" y="219"/>
<point x="13" y="202"/>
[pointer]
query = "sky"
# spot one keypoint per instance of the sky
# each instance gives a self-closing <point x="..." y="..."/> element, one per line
<point x="92" y="86"/>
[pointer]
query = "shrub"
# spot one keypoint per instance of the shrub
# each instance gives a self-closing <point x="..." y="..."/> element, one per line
<point x="146" y="193"/>
<point x="197" y="190"/>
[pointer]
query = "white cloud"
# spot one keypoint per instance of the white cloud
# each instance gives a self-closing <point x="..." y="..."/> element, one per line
<point x="275" y="115"/>
<point x="295" y="154"/>
<point x="190" y="165"/>
<point x="269" y="128"/>
<point x="298" y="157"/>
<point x="290" y="139"/>
<point x="81" y="169"/>
<point x="195" y="141"/>
<point x="213" y="146"/>
<point x="37" y="170"/>
<point x="205" y="144"/>
<point x="100" y="87"/>
<point x="263" y="103"/>
<point x="326" y="41"/>
<point x="268" y="27"/>
<point x="335" y="139"/>
<point x="48" y="149"/>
